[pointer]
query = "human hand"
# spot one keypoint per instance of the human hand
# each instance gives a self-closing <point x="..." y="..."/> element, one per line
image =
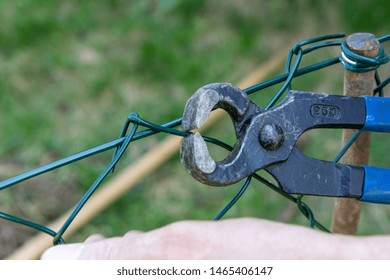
<point x="242" y="238"/>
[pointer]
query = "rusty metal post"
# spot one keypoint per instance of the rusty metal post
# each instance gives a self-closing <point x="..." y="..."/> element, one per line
<point x="346" y="210"/>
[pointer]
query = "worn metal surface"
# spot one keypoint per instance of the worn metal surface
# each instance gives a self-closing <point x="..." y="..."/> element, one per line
<point x="266" y="139"/>
<point x="193" y="150"/>
<point x="300" y="174"/>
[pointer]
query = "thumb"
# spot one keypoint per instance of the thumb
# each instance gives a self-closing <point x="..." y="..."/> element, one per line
<point x="94" y="247"/>
<point x="63" y="252"/>
<point x="107" y="249"/>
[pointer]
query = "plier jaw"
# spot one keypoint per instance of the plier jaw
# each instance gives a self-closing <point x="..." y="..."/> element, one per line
<point x="194" y="153"/>
<point x="266" y="139"/>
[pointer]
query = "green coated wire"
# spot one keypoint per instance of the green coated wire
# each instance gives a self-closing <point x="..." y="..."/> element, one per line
<point x="143" y="134"/>
<point x="295" y="72"/>
<point x="306" y="211"/>
<point x="30" y="224"/>
<point x="136" y="119"/>
<point x="379" y="88"/>
<point x="347" y="145"/>
<point x="303" y="207"/>
<point x="79" y="156"/>
<point x="234" y="199"/>
<point x="288" y="79"/>
<point x="355" y="62"/>
<point x="176" y="122"/>
<point x="96" y="184"/>
<point x="243" y="187"/>
<point x="59" y="163"/>
<point x="321" y="42"/>
<point x="283" y="77"/>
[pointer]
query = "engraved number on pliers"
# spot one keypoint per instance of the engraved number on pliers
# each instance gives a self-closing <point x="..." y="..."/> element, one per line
<point x="325" y="111"/>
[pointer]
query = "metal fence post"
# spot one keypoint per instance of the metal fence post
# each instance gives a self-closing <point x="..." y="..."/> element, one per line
<point x="346" y="210"/>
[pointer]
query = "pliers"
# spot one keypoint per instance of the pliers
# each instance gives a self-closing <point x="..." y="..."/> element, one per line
<point x="266" y="139"/>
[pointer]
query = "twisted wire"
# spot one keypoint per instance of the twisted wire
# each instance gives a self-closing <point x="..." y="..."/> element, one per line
<point x="355" y="62"/>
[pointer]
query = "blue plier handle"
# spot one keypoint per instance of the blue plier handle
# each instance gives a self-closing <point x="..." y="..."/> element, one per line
<point x="266" y="139"/>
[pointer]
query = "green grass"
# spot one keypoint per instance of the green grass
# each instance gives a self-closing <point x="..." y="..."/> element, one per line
<point x="71" y="72"/>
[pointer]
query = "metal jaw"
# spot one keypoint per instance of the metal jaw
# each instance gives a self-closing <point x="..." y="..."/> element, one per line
<point x="193" y="150"/>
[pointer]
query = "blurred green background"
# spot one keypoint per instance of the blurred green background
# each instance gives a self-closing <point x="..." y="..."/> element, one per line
<point x="71" y="71"/>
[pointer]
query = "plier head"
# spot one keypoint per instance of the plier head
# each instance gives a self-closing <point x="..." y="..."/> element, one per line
<point x="266" y="139"/>
<point x="194" y="153"/>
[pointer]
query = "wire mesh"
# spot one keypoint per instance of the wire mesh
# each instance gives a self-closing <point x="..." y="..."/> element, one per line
<point x="137" y="128"/>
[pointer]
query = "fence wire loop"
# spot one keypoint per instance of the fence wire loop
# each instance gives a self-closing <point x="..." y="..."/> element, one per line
<point x="130" y="131"/>
<point x="358" y="63"/>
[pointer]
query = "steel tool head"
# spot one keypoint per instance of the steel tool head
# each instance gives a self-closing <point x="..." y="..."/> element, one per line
<point x="266" y="138"/>
<point x="194" y="153"/>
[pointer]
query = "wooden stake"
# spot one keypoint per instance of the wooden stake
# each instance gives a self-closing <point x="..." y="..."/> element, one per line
<point x="134" y="173"/>
<point x="346" y="210"/>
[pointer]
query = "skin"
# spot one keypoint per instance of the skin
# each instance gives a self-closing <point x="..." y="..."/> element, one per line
<point x="241" y="238"/>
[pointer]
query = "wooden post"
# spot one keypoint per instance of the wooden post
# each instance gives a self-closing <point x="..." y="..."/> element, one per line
<point x="347" y="210"/>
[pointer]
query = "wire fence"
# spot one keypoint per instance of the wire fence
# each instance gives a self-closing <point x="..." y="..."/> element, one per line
<point x="137" y="128"/>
